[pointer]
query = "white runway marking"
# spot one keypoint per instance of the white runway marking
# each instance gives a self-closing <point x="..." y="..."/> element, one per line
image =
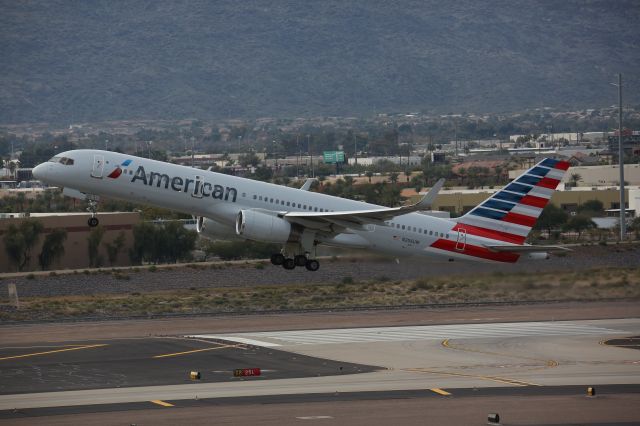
<point x="428" y="332"/>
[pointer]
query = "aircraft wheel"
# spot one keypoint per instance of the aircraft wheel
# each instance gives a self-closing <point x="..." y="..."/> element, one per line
<point x="277" y="259"/>
<point x="93" y="222"/>
<point x="312" y="265"/>
<point x="301" y="260"/>
<point x="289" y="263"/>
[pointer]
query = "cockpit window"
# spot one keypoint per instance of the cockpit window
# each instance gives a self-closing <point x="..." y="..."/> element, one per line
<point x="62" y="160"/>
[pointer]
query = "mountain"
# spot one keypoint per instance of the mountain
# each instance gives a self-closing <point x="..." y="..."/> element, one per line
<point x="73" y="61"/>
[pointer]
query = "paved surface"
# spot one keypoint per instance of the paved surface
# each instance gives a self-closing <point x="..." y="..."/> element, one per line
<point x="26" y="334"/>
<point x="613" y="405"/>
<point x="239" y="274"/>
<point x="480" y="357"/>
<point x="148" y="362"/>
<point x="487" y="355"/>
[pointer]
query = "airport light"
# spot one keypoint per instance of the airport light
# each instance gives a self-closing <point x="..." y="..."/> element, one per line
<point x="623" y="210"/>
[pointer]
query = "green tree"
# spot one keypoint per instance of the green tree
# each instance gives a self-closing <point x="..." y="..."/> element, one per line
<point x="94" y="239"/>
<point x="635" y="226"/>
<point x="591" y="208"/>
<point x="12" y="169"/>
<point x="580" y="223"/>
<point x="52" y="248"/>
<point x="19" y="241"/>
<point x="552" y="217"/>
<point x="369" y="175"/>
<point x="144" y="236"/>
<point x="169" y="242"/>
<point x="575" y="178"/>
<point x="249" y="159"/>
<point x="113" y="248"/>
<point x="393" y="177"/>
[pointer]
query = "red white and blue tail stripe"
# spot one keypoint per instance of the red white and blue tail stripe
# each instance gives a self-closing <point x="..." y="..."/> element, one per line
<point x="510" y="213"/>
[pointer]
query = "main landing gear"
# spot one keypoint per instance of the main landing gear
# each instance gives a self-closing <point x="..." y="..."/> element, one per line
<point x="93" y="208"/>
<point x="291" y="262"/>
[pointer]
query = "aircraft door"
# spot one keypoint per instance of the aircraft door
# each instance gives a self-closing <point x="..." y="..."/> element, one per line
<point x="98" y="166"/>
<point x="462" y="239"/>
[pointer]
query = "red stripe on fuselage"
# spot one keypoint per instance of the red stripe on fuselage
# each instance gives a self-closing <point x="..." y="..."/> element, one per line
<point x="532" y="200"/>
<point x="548" y="183"/>
<point x="476" y="251"/>
<point x="519" y="219"/>
<point x="489" y="233"/>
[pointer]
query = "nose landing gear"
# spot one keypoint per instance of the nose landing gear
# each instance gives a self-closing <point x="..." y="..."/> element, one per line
<point x="93" y="208"/>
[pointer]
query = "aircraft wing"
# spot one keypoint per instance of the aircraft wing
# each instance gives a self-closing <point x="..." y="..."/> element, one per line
<point x="360" y="217"/>
<point x="526" y="248"/>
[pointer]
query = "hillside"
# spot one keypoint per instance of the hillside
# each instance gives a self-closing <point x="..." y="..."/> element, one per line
<point x="67" y="61"/>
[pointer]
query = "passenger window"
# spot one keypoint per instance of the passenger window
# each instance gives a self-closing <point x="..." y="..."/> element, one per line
<point x="299" y="205"/>
<point x="414" y="229"/>
<point x="315" y="209"/>
<point x="261" y="198"/>
<point x="441" y="235"/>
<point x="255" y="196"/>
<point x="304" y="206"/>
<point x="447" y="236"/>
<point x="288" y="203"/>
<point x="430" y="232"/>
<point x="271" y="200"/>
<point x="398" y="225"/>
<point x="244" y="194"/>
<point x="402" y="226"/>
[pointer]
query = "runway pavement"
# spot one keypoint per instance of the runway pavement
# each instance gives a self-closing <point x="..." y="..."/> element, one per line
<point x="411" y="358"/>
<point x="469" y="364"/>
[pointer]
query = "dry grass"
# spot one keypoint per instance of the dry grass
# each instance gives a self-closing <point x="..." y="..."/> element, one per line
<point x="585" y="285"/>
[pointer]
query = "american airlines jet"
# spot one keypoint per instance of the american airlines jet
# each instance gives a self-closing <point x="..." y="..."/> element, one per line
<point x="233" y="207"/>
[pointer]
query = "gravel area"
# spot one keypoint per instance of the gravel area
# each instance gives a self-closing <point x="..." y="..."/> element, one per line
<point x="331" y="271"/>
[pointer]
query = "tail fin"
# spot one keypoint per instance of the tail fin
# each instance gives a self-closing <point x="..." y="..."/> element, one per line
<point x="509" y="214"/>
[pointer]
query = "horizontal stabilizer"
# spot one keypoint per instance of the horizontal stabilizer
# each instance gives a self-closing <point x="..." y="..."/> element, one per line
<point x="526" y="248"/>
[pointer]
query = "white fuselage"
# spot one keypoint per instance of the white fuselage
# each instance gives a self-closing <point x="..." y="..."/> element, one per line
<point x="220" y="197"/>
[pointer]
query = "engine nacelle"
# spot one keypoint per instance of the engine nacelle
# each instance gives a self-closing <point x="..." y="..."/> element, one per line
<point x="258" y="226"/>
<point x="213" y="230"/>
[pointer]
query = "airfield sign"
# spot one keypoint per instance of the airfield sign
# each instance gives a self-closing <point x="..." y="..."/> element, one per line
<point x="333" y="157"/>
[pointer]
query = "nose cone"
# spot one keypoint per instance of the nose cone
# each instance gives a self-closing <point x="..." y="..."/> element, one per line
<point x="39" y="172"/>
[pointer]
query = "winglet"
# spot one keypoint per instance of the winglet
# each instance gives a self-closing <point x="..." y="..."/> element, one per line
<point x="430" y="197"/>
<point x="307" y="184"/>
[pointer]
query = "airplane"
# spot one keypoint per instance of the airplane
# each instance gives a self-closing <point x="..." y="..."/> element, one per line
<point x="229" y="207"/>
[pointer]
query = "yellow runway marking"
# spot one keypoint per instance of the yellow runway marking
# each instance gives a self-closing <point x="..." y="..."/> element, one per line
<point x="475" y="376"/>
<point x="52" y="352"/>
<point x="440" y="391"/>
<point x="164" y="404"/>
<point x="193" y="351"/>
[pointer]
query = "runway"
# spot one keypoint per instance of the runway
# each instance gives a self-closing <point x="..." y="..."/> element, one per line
<point x="533" y="359"/>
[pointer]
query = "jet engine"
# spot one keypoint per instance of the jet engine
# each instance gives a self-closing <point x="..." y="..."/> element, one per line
<point x="213" y="230"/>
<point x="265" y="227"/>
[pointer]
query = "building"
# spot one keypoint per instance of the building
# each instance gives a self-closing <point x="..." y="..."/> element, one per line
<point x="460" y="201"/>
<point x="630" y="142"/>
<point x="76" y="245"/>
<point x="595" y="176"/>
